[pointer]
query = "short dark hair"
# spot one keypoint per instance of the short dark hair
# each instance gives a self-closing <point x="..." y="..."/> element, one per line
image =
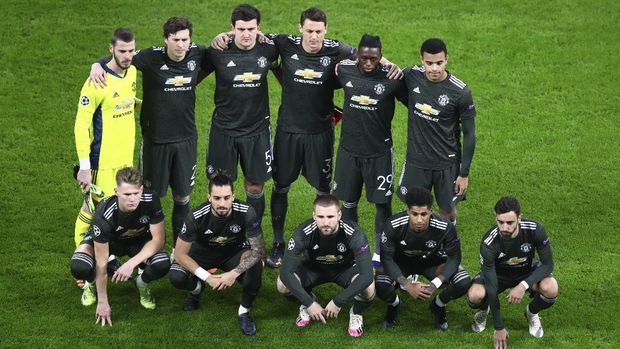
<point x="508" y="204"/>
<point x="221" y="179"/>
<point x="326" y="201"/>
<point x="417" y="196"/>
<point x="122" y="34"/>
<point x="433" y="46"/>
<point x="314" y="14"/>
<point x="175" y="24"/>
<point x="129" y="175"/>
<point x="371" y="41"/>
<point x="245" y="12"/>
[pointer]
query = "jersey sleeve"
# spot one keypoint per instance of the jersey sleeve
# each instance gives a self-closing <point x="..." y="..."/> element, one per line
<point x="207" y="63"/>
<point x="252" y="224"/>
<point x="156" y="213"/>
<point x="543" y="246"/>
<point x="294" y="256"/>
<point x="388" y="248"/>
<point x="363" y="259"/>
<point x="189" y="229"/>
<point x="100" y="229"/>
<point x="140" y="58"/>
<point x="346" y="51"/>
<point x="487" y="259"/>
<point x="90" y="100"/>
<point x="467" y="109"/>
<point x="452" y="247"/>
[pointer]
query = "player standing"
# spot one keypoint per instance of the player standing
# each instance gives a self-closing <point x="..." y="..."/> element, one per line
<point x="130" y="223"/>
<point x="439" y="105"/>
<point x="508" y="259"/>
<point x="167" y="118"/>
<point x="111" y="109"/>
<point x="328" y="249"/>
<point x="365" y="154"/>
<point x="240" y="130"/>
<point x="222" y="233"/>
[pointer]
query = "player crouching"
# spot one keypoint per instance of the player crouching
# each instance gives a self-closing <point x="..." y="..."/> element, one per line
<point x="129" y="223"/>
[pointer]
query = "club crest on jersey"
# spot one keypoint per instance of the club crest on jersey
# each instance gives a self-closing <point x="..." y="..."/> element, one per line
<point x="262" y="62"/>
<point x="443" y="100"/>
<point x="325" y="61"/>
<point x="526" y="247"/>
<point x="379" y="89"/>
<point x="431" y="243"/>
<point x="96" y="230"/>
<point x="291" y="244"/>
<point x="383" y="238"/>
<point x="84" y="101"/>
<point x="144" y="219"/>
<point x="191" y="65"/>
<point x="235" y="228"/>
<point x="341" y="247"/>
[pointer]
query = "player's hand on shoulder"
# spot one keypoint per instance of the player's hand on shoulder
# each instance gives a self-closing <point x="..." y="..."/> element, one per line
<point x="331" y="310"/>
<point x="394" y="72"/>
<point x="97" y="76"/>
<point x="220" y="41"/>
<point x="84" y="178"/>
<point x="500" y="339"/>
<point x="104" y="314"/>
<point x="315" y="310"/>
<point x="261" y="38"/>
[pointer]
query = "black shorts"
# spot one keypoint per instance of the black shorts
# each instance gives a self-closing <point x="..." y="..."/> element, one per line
<point x="376" y="173"/>
<point x="312" y="154"/>
<point x="171" y="164"/>
<point x="441" y="181"/>
<point x="254" y="153"/>
<point x="428" y="272"/>
<point x="120" y="248"/>
<point x="311" y="277"/>
<point x="207" y="261"/>
<point x="504" y="283"/>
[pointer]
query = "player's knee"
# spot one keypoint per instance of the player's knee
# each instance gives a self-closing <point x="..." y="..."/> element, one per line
<point x="82" y="266"/>
<point x="461" y="282"/>
<point x="180" y="198"/>
<point x="383" y="286"/>
<point x="280" y="286"/>
<point x="549" y="287"/>
<point x="369" y="293"/>
<point x="476" y="294"/>
<point x="448" y="214"/>
<point x="277" y="188"/>
<point x="160" y="264"/>
<point x="256" y="189"/>
<point x="178" y="276"/>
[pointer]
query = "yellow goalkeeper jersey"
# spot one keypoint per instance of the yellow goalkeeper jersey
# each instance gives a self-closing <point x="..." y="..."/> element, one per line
<point x="105" y="124"/>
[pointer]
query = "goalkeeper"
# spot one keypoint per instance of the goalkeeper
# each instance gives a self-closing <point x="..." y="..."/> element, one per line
<point x="105" y="128"/>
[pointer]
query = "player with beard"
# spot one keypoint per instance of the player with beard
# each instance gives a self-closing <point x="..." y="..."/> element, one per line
<point x="167" y="118"/>
<point x="105" y="129"/>
<point x="222" y="233"/>
<point x="508" y="258"/>
<point x="328" y="249"/>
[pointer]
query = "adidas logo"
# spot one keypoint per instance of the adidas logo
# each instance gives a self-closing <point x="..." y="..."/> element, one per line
<point x="164" y="67"/>
<point x="316" y="247"/>
<point x="115" y="94"/>
<point x="231" y="64"/>
<point x="416" y="90"/>
<point x="295" y="57"/>
<point x="349" y="84"/>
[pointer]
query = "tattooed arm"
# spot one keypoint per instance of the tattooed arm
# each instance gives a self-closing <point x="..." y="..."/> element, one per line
<point x="253" y="255"/>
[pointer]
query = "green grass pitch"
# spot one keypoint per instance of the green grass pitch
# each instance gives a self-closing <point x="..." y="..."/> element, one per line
<point x="544" y="76"/>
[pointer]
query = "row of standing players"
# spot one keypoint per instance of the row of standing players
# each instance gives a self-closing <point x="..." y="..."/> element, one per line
<point x="310" y="68"/>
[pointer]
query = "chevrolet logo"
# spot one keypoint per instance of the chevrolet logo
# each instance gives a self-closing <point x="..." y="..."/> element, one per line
<point x="247" y="77"/>
<point x="125" y="104"/>
<point x="515" y="261"/>
<point x="178" y="81"/>
<point x="364" y="100"/>
<point x="426" y="109"/>
<point x="308" y="73"/>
